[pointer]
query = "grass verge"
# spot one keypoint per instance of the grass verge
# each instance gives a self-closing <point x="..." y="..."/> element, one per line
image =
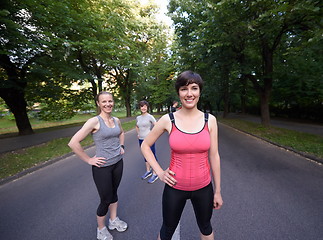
<point x="297" y="141"/>
<point x="9" y="129"/>
<point x="16" y="161"/>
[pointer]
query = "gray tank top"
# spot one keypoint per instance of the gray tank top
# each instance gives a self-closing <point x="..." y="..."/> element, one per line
<point x="107" y="142"/>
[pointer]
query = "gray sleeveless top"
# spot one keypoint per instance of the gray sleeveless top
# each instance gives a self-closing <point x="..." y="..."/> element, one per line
<point x="107" y="142"/>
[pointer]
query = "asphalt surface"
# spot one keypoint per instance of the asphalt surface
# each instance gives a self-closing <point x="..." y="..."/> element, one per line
<point x="19" y="142"/>
<point x="269" y="194"/>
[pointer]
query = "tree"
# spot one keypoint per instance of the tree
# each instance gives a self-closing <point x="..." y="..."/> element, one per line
<point x="196" y="36"/>
<point x="57" y="43"/>
<point x="141" y="72"/>
<point x="20" y="46"/>
<point x="300" y="95"/>
<point x="252" y="29"/>
<point x="156" y="78"/>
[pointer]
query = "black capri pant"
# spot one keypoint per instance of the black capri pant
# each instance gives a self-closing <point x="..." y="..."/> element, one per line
<point x="107" y="180"/>
<point x="174" y="201"/>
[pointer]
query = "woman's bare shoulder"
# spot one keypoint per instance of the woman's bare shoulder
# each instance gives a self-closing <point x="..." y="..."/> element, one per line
<point x="163" y="122"/>
<point x="213" y="125"/>
<point x="164" y="118"/>
<point x="92" y="121"/>
<point x="212" y="117"/>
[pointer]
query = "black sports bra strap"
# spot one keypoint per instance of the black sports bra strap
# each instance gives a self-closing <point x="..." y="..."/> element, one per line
<point x="206" y="117"/>
<point x="171" y="116"/>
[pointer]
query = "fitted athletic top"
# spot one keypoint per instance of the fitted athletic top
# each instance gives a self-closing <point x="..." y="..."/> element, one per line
<point x="190" y="157"/>
<point x="145" y="124"/>
<point x="107" y="142"/>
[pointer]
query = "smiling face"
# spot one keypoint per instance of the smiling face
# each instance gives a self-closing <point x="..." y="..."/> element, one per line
<point x="143" y="109"/>
<point x="189" y="95"/>
<point x="186" y="78"/>
<point x="105" y="103"/>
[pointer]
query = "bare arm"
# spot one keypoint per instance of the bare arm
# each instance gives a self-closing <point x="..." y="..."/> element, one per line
<point x="75" y="142"/>
<point x="121" y="136"/>
<point x="137" y="130"/>
<point x="160" y="127"/>
<point x="214" y="159"/>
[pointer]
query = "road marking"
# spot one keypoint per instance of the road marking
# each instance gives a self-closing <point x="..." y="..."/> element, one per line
<point x="176" y="235"/>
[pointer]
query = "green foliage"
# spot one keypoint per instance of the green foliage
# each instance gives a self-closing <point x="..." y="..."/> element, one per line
<point x="234" y="40"/>
<point x="155" y="81"/>
<point x="95" y="45"/>
<point x="9" y="116"/>
<point x="298" y="87"/>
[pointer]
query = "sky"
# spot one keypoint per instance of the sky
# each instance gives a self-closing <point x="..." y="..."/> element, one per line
<point x="163" y="9"/>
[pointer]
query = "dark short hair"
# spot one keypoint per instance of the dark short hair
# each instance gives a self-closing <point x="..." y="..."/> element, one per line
<point x="143" y="102"/>
<point x="186" y="78"/>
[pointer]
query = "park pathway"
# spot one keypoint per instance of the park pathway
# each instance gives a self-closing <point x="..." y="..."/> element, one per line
<point x="269" y="194"/>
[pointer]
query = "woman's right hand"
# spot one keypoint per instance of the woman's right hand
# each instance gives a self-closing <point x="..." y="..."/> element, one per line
<point x="167" y="177"/>
<point x="96" y="161"/>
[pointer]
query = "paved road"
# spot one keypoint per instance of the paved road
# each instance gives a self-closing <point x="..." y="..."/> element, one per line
<point x="18" y="142"/>
<point x="269" y="193"/>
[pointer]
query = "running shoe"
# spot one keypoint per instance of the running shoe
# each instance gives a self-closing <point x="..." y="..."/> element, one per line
<point x="104" y="234"/>
<point x="153" y="178"/>
<point x="146" y="175"/>
<point x="118" y="224"/>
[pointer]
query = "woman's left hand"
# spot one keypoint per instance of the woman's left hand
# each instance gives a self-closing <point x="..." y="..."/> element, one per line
<point x="121" y="151"/>
<point x="217" y="201"/>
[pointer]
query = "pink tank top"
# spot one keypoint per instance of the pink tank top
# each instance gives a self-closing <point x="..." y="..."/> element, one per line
<point x="189" y="157"/>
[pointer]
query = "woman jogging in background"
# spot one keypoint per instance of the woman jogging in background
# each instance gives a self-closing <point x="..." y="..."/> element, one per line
<point x="145" y="122"/>
<point x="107" y="164"/>
<point x="195" y="160"/>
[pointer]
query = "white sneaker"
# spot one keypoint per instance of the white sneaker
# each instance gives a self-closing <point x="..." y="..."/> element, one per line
<point x="118" y="224"/>
<point x="103" y="234"/>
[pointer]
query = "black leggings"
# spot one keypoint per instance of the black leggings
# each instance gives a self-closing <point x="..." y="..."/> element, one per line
<point x="107" y="180"/>
<point x="173" y="205"/>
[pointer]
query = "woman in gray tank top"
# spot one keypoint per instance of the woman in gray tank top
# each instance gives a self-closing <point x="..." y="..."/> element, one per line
<point x="107" y="164"/>
<point x="145" y="122"/>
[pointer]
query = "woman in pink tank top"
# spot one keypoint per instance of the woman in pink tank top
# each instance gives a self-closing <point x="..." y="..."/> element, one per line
<point x="194" y="163"/>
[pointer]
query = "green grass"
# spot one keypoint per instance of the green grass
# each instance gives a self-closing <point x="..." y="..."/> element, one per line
<point x="298" y="141"/>
<point x="9" y="128"/>
<point x="17" y="161"/>
<point x="14" y="162"/>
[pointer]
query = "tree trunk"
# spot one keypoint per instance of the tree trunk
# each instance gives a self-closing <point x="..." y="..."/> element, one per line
<point x="268" y="69"/>
<point x="12" y="91"/>
<point x="264" y="108"/>
<point x="94" y="91"/>
<point x="17" y="105"/>
<point x="127" y="91"/>
<point x="264" y="91"/>
<point x="264" y="95"/>
<point x="128" y="105"/>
